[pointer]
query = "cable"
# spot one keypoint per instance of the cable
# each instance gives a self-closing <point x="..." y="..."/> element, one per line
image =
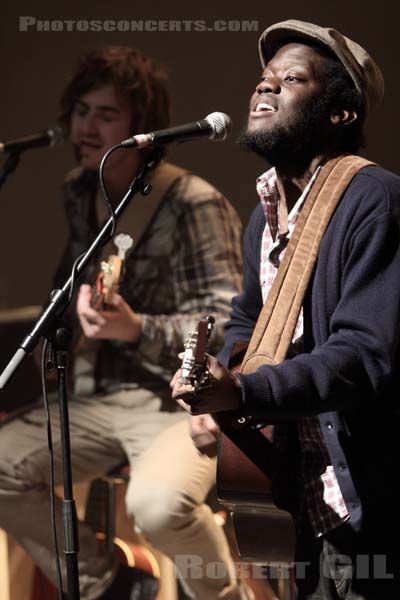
<point x="112" y="215"/>
<point x="73" y="278"/>
<point x="104" y="189"/>
<point x="51" y="471"/>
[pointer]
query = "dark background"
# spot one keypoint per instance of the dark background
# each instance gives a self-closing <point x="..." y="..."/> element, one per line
<point x="209" y="71"/>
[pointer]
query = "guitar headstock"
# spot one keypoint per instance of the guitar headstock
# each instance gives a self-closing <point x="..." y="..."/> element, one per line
<point x="194" y="362"/>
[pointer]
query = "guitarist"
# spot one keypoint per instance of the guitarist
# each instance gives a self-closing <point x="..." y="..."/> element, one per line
<point x="333" y="400"/>
<point x="185" y="263"/>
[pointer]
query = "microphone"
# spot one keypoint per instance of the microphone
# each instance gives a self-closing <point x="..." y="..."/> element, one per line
<point x="216" y="126"/>
<point x="48" y="137"/>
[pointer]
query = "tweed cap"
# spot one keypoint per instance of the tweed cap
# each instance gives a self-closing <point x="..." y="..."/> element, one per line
<point x="363" y="70"/>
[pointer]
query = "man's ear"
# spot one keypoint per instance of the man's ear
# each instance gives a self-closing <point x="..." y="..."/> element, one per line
<point x="343" y="117"/>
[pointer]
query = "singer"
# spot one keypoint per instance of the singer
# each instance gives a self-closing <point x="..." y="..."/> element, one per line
<point x="327" y="376"/>
<point x="186" y="264"/>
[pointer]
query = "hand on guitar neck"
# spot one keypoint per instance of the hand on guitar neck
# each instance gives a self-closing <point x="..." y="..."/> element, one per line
<point x="115" y="322"/>
<point x="102" y="312"/>
<point x="203" y="385"/>
<point x="222" y="394"/>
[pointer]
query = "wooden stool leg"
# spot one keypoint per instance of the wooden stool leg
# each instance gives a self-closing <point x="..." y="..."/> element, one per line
<point x="4" y="574"/>
<point x="16" y="570"/>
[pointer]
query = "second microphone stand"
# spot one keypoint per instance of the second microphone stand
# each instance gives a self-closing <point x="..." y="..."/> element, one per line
<point x="10" y="165"/>
<point x="49" y="326"/>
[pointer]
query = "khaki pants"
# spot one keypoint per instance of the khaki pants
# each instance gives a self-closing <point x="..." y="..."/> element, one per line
<point x="166" y="494"/>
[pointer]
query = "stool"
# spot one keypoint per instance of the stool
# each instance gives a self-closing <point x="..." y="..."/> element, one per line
<point x="100" y="514"/>
<point x="119" y="535"/>
<point x="170" y="588"/>
<point x="164" y="569"/>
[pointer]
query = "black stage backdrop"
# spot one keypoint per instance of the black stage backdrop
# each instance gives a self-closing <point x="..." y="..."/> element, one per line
<point x="209" y="71"/>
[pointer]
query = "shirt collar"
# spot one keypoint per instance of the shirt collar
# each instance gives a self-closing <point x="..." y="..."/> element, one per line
<point x="267" y="189"/>
<point x="268" y="192"/>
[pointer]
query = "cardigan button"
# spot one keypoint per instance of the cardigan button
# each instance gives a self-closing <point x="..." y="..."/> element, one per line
<point x="329" y="425"/>
<point x="342" y="467"/>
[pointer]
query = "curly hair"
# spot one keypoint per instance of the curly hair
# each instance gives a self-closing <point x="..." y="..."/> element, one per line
<point x="134" y="75"/>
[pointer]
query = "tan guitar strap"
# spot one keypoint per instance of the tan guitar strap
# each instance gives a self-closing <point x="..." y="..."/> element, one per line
<point x="141" y="210"/>
<point x="276" y="323"/>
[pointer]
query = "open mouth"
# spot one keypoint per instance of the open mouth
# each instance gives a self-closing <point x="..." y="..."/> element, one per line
<point x="263" y="107"/>
<point x="89" y="146"/>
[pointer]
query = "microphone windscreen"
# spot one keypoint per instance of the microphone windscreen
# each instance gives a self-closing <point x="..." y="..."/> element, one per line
<point x="221" y="125"/>
<point x="56" y="135"/>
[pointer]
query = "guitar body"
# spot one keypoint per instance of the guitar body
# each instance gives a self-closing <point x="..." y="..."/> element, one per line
<point x="243" y="478"/>
<point x="264" y="533"/>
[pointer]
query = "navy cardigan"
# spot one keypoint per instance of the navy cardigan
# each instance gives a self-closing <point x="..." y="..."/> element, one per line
<point x="349" y="371"/>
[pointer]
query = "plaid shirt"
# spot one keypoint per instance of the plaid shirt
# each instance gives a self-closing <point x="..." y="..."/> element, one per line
<point x="186" y="265"/>
<point x="321" y="493"/>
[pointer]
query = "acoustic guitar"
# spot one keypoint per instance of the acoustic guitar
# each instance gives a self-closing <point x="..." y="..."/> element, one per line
<point x="82" y="365"/>
<point x="246" y="465"/>
<point x="109" y="277"/>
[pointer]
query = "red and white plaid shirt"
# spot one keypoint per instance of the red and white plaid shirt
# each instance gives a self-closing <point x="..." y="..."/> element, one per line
<point x="322" y="497"/>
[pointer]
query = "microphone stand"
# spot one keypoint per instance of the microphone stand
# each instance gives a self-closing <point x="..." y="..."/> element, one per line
<point x="10" y="165"/>
<point x="49" y="326"/>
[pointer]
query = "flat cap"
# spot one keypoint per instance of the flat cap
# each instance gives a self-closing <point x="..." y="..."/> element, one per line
<point x="363" y="70"/>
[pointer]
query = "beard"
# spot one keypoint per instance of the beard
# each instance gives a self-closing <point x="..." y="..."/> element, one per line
<point x="293" y="144"/>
